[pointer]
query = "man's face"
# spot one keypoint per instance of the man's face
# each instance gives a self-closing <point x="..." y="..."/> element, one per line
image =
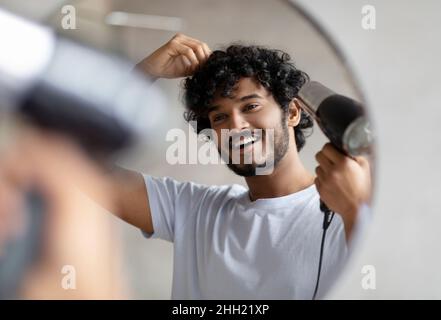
<point x="250" y="107"/>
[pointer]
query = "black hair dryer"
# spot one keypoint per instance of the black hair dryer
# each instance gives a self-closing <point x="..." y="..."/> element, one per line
<point x="342" y="119"/>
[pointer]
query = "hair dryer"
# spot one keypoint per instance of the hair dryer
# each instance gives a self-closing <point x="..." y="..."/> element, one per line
<point x="342" y="119"/>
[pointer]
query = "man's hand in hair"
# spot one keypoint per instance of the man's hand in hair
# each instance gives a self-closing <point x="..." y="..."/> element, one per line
<point x="179" y="57"/>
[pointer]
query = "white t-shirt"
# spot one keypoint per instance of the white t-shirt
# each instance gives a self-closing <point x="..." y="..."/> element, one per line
<point x="228" y="247"/>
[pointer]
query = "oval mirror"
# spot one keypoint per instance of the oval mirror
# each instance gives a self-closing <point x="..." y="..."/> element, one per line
<point x="262" y="249"/>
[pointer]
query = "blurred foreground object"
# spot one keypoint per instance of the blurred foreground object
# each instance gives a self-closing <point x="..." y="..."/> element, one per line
<point x="77" y="254"/>
<point x="83" y="105"/>
<point x="96" y="99"/>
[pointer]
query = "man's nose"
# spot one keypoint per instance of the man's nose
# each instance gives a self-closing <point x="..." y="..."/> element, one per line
<point x="238" y="121"/>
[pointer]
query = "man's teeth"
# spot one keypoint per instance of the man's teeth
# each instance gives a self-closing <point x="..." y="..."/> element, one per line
<point x="244" y="142"/>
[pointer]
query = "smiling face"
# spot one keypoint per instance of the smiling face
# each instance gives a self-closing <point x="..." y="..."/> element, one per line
<point x="257" y="127"/>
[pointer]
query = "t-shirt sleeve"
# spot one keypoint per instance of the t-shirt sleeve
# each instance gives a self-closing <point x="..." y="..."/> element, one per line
<point x="172" y="203"/>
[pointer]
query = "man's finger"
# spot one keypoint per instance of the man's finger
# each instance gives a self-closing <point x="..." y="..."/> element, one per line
<point x="207" y="50"/>
<point x="362" y="161"/>
<point x="330" y="152"/>
<point x="320" y="173"/>
<point x="195" y="44"/>
<point x="323" y="161"/>
<point x="189" y="54"/>
<point x="198" y="48"/>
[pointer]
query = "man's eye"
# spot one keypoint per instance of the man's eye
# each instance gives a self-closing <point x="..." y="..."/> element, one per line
<point x="250" y="107"/>
<point x="218" y="117"/>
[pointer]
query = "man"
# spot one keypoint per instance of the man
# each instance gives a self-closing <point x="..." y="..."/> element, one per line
<point x="231" y="242"/>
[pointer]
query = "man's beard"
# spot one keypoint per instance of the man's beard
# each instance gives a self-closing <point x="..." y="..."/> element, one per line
<point x="281" y="142"/>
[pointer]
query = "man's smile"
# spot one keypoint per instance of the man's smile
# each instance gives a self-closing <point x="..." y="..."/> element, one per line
<point x="244" y="142"/>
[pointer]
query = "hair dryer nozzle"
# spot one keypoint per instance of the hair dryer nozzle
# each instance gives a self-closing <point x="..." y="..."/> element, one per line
<point x="341" y="118"/>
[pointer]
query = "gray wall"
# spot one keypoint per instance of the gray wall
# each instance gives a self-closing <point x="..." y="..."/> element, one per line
<point x="398" y="68"/>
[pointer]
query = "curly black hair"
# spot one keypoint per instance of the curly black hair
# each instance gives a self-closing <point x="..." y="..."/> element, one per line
<point x="224" y="68"/>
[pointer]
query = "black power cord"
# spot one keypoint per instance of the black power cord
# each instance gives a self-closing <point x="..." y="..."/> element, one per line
<point x="327" y="219"/>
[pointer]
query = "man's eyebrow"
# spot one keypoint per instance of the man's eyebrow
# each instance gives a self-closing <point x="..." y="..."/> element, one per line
<point x="212" y="108"/>
<point x="250" y="96"/>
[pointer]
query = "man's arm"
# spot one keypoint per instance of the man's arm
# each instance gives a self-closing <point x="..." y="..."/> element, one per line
<point x="131" y="197"/>
<point x="179" y="57"/>
<point x="344" y="184"/>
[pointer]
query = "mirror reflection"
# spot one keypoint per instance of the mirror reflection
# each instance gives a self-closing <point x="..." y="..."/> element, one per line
<point x="257" y="177"/>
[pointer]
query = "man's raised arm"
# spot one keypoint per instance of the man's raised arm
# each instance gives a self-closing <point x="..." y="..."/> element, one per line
<point x="179" y="57"/>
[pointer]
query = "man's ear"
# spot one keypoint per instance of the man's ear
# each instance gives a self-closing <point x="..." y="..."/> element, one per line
<point x="294" y="113"/>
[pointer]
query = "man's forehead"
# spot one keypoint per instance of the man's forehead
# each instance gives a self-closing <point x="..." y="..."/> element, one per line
<point x="244" y="87"/>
